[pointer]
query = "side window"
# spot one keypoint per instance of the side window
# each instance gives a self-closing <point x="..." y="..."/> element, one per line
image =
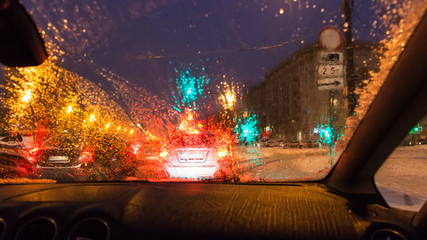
<point x="402" y="179"/>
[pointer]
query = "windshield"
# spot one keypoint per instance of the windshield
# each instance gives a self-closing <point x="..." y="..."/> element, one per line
<point x="257" y="90"/>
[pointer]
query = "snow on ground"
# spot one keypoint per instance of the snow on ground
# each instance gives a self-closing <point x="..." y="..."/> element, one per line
<point x="402" y="180"/>
<point x="403" y="176"/>
<point x="282" y="164"/>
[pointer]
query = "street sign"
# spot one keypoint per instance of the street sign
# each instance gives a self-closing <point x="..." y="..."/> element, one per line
<point x="330" y="83"/>
<point x="329" y="58"/>
<point x="326" y="71"/>
<point x="330" y="38"/>
<point x="330" y="70"/>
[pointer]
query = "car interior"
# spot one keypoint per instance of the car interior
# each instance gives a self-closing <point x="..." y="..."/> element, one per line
<point x="344" y="205"/>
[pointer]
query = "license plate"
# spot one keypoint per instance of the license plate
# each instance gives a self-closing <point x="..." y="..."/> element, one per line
<point x="58" y="159"/>
<point x="191" y="157"/>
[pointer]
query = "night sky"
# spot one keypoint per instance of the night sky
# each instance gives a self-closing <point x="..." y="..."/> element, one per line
<point x="146" y="42"/>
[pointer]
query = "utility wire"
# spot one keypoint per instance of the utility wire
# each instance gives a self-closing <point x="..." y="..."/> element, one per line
<point x="261" y="48"/>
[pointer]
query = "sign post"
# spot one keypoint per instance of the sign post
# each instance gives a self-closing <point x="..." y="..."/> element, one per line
<point x="330" y="71"/>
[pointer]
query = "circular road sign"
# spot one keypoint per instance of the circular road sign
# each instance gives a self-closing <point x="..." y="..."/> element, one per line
<point x="330" y="38"/>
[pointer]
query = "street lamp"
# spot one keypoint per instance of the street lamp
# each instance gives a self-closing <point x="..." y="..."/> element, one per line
<point x="228" y="99"/>
<point x="27" y="96"/>
<point x="27" y="99"/>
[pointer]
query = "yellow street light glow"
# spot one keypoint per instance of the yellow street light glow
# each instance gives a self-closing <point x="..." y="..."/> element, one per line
<point x="27" y="96"/>
<point x="183" y="125"/>
<point x="230" y="97"/>
<point x="69" y="109"/>
<point x="108" y="125"/>
<point x="131" y="131"/>
<point x="118" y="128"/>
<point x="92" y="118"/>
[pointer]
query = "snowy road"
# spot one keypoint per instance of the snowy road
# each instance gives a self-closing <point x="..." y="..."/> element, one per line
<point x="403" y="177"/>
<point x="279" y="164"/>
<point x="401" y="180"/>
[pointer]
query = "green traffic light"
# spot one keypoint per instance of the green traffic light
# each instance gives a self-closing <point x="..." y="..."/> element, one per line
<point x="415" y="129"/>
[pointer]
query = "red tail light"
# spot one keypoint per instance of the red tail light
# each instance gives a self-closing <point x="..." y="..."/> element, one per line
<point x="34" y="150"/>
<point x="164" y="154"/>
<point x="32" y="158"/>
<point x="86" y="156"/>
<point x="222" y="153"/>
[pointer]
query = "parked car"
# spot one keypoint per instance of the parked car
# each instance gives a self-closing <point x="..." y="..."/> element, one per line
<point x="147" y="152"/>
<point x="61" y="155"/>
<point x="274" y="143"/>
<point x="111" y="157"/>
<point x="14" y="156"/>
<point x="95" y="157"/>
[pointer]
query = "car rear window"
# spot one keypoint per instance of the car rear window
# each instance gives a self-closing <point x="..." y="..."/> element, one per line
<point x="191" y="140"/>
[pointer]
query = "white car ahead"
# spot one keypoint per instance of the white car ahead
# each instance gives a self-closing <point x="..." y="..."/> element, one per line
<point x="195" y="156"/>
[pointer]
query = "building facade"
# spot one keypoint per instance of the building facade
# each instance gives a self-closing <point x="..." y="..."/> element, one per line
<point x="290" y="102"/>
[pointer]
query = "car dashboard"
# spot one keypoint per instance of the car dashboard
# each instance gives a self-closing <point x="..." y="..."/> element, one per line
<point x="194" y="211"/>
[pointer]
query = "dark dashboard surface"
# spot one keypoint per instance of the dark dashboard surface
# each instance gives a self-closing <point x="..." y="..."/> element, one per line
<point x="199" y="210"/>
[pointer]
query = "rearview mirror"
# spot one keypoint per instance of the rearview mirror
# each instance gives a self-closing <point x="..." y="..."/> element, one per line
<point x="21" y="44"/>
